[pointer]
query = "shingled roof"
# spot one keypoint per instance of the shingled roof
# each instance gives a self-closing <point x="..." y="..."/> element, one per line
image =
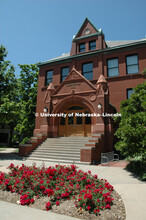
<point x="110" y="45"/>
<point x="122" y="42"/>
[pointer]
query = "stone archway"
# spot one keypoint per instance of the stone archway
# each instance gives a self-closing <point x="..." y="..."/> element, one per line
<point x="72" y="126"/>
<point x="75" y="123"/>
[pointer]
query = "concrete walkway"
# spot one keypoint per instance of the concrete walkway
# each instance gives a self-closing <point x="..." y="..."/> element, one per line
<point x="132" y="191"/>
<point x="10" y="211"/>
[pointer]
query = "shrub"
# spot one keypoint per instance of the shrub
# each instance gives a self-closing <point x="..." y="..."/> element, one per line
<point x="132" y="126"/>
<point x="138" y="167"/>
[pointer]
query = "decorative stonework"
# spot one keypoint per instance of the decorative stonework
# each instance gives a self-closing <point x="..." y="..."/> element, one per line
<point x="73" y="85"/>
<point x="55" y="101"/>
<point x="74" y="75"/>
<point x="47" y="98"/>
<point x="87" y="31"/>
<point x="92" y="97"/>
<point x="102" y="87"/>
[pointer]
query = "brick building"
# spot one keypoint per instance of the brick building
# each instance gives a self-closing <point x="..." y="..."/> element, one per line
<point x="92" y="79"/>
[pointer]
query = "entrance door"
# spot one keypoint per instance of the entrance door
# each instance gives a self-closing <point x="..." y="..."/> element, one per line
<point x="75" y="125"/>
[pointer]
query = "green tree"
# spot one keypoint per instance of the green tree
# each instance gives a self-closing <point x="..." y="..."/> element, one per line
<point x="9" y="108"/>
<point x="9" y="114"/>
<point x="17" y="96"/>
<point x="8" y="81"/>
<point x="132" y="126"/>
<point x="27" y="92"/>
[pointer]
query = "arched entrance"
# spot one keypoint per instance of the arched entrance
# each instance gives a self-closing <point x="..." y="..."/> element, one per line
<point x="75" y="123"/>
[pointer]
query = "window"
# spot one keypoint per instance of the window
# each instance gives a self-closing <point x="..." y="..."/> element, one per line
<point x="112" y="67"/>
<point x="79" y="120"/>
<point x="132" y="64"/>
<point x="64" y="73"/>
<point x="82" y="47"/>
<point x="92" y="45"/>
<point x="87" y="70"/>
<point x="70" y="120"/>
<point x="87" y="119"/>
<point x="62" y="121"/>
<point x="129" y="92"/>
<point x="49" y="76"/>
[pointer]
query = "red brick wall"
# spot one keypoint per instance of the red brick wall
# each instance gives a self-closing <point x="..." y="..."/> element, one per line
<point x="117" y="85"/>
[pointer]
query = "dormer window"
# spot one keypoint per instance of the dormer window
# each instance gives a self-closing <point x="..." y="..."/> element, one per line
<point x="92" y="45"/>
<point x="82" y="47"/>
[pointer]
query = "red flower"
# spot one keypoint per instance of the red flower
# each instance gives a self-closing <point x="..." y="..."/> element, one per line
<point x="49" y="192"/>
<point x="88" y="208"/>
<point x="59" y="182"/>
<point x="32" y="201"/>
<point x="107" y="206"/>
<point x="57" y="203"/>
<point x="88" y="196"/>
<point x="48" y="206"/>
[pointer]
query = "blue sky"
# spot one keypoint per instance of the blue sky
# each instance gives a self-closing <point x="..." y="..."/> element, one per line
<point x="38" y="30"/>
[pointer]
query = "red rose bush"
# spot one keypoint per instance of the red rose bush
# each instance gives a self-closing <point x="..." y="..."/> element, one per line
<point x="59" y="183"/>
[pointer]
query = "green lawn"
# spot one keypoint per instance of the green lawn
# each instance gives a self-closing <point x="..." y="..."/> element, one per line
<point x="2" y="148"/>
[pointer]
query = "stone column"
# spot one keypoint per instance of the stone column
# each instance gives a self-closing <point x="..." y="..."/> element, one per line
<point x="44" y="128"/>
<point x="103" y="101"/>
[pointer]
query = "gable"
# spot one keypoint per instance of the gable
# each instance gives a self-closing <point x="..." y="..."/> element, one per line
<point x="74" y="82"/>
<point x="87" y="28"/>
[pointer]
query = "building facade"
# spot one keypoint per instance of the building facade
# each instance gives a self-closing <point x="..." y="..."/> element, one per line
<point x="86" y="85"/>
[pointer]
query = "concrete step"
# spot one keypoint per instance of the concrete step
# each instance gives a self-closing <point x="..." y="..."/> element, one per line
<point x="58" y="161"/>
<point x="67" y="139"/>
<point x="65" y="143"/>
<point x="60" y="150"/>
<point x="68" y="142"/>
<point x="59" y="147"/>
<point x="72" y="151"/>
<point x="64" y="157"/>
<point x="57" y="153"/>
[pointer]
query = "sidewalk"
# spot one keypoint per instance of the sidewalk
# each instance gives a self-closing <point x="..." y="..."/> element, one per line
<point x="10" y="211"/>
<point x="132" y="191"/>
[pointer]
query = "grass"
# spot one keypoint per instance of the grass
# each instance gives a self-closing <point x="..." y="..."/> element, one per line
<point x="2" y="148"/>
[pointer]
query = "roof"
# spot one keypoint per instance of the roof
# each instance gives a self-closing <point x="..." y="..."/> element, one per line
<point x="122" y="42"/>
<point x="61" y="57"/>
<point x="110" y="45"/>
<point x="101" y="79"/>
<point x="99" y="31"/>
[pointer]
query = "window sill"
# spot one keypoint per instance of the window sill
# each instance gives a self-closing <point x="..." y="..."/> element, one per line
<point x="126" y="76"/>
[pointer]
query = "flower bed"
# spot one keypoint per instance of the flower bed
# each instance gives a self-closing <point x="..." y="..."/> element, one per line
<point x="59" y="183"/>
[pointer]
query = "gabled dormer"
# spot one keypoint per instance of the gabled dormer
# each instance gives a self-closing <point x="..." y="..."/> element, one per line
<point x="87" y="39"/>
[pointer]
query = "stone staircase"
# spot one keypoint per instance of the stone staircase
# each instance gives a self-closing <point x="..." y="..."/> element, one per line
<point x="60" y="150"/>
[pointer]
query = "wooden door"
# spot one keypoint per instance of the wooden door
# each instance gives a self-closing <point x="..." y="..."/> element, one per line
<point x="74" y="125"/>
